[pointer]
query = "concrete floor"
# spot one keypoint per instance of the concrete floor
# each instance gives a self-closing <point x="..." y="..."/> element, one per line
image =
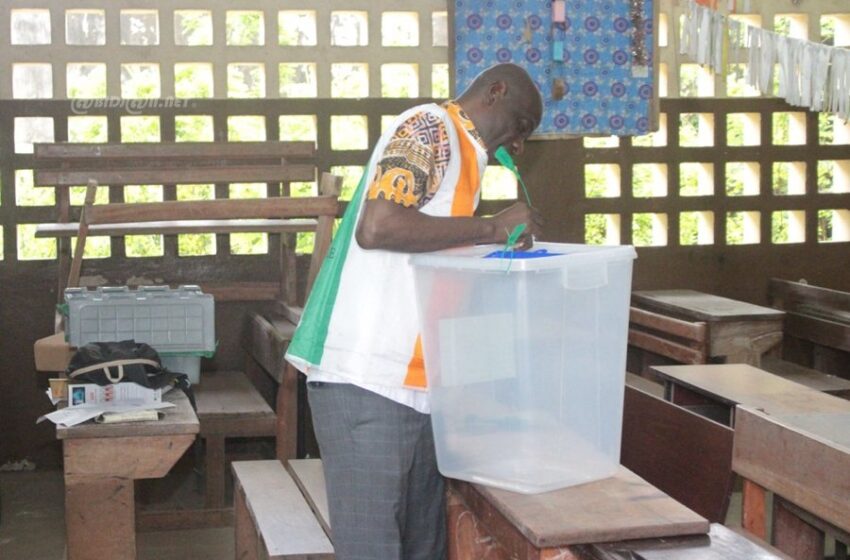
<point x="32" y="525"/>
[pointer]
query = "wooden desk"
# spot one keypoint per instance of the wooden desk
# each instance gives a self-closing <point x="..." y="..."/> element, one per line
<point x="101" y="463"/>
<point x="729" y="385"/>
<point x="489" y="523"/>
<point x="796" y="445"/>
<point x="737" y="331"/>
<point x="804" y="459"/>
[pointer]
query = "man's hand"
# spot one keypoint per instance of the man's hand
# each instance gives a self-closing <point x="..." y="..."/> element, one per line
<point x="511" y="217"/>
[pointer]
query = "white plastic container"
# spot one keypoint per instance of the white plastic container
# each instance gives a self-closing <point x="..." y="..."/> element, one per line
<point x="178" y="323"/>
<point x="188" y="363"/>
<point x="170" y="320"/>
<point x="526" y="360"/>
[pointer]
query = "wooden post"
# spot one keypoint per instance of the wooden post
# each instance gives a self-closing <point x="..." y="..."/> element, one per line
<point x="795" y="537"/>
<point x="100" y="518"/>
<point x="753" y="509"/>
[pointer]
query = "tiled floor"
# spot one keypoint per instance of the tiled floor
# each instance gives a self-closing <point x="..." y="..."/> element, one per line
<point x="32" y="525"/>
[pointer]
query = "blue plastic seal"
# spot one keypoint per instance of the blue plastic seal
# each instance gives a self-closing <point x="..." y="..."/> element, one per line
<point x="540" y="253"/>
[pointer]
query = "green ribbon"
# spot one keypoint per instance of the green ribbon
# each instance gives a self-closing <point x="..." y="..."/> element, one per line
<point x="503" y="157"/>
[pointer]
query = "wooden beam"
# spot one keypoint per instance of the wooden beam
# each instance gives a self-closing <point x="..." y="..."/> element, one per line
<point x="174" y="150"/>
<point x="178" y="175"/>
<point x="223" y="209"/>
<point x="180" y="227"/>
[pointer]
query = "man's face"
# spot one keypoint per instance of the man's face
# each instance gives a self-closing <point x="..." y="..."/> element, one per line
<point x="515" y="118"/>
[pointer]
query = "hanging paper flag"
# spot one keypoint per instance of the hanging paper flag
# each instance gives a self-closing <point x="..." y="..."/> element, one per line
<point x="559" y="11"/>
<point x="558" y="51"/>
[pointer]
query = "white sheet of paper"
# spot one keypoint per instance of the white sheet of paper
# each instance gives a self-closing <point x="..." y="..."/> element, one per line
<point x="71" y="416"/>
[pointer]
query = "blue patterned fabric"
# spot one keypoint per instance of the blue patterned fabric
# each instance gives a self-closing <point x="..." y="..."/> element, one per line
<point x="606" y="93"/>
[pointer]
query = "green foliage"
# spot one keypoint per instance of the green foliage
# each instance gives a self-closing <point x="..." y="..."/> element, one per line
<point x="193" y="128"/>
<point x="139" y="81"/>
<point x="349" y="80"/>
<point x="87" y="82"/>
<point x="87" y="129"/>
<point x="98" y="247"/>
<point x="194" y="27"/>
<point x="780" y="177"/>
<point x="643" y="180"/>
<point x="440" y="81"/>
<point x="296" y="28"/>
<point x="143" y="246"/>
<point x="297" y="127"/>
<point x="689" y="228"/>
<point x="826" y="129"/>
<point x="349" y="132"/>
<point x="825" y="225"/>
<point x="140" y="129"/>
<point x="350" y="179"/>
<point x="196" y="244"/>
<point x="249" y="243"/>
<point x="297" y="79"/>
<point x="399" y="80"/>
<point x="246" y="80"/>
<point x="193" y="80"/>
<point x="595" y="229"/>
<point x="244" y="28"/>
<point x="246" y="128"/>
<point x="689" y="129"/>
<point x="28" y="195"/>
<point x="31" y="248"/>
<point x="595" y="181"/>
<point x="779" y="227"/>
<point x="642" y="230"/>
<point x="734" y="228"/>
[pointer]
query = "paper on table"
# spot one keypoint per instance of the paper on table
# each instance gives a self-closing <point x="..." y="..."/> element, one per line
<point x="71" y="416"/>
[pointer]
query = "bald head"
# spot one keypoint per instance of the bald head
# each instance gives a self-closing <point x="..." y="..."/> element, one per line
<point x="505" y="105"/>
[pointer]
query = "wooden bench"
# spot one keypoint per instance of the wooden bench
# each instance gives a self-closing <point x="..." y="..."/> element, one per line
<point x="817" y="325"/>
<point x="687" y="456"/>
<point x="281" y="513"/>
<point x="228" y="404"/>
<point x="803" y="458"/>
<point x="721" y="543"/>
<point x="737" y="331"/>
<point x="657" y="339"/>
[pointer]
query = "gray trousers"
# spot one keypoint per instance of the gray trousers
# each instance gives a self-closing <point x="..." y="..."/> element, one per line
<point x="385" y="495"/>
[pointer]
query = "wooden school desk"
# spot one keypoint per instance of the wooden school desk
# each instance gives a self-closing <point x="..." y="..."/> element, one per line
<point x="789" y="439"/>
<point x="549" y="525"/>
<point x="804" y="459"/>
<point x="102" y="462"/>
<point x="722" y="387"/>
<point x="737" y="331"/>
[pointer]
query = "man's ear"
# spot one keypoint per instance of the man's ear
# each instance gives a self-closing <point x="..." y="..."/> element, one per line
<point x="497" y="90"/>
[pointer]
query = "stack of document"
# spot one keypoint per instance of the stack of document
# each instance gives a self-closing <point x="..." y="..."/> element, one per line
<point x="119" y="402"/>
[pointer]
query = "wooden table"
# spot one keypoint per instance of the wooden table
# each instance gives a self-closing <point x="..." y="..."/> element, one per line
<point x="101" y="463"/>
<point x="789" y="439"/>
<point x="737" y="331"/>
<point x="727" y="385"/>
<point x="489" y="523"/>
<point x="804" y="459"/>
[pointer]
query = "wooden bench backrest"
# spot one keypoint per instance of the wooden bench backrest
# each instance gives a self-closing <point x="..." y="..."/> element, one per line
<point x="116" y="165"/>
<point x="675" y="340"/>
<point x="69" y="164"/>
<point x="683" y="454"/>
<point x="819" y="315"/>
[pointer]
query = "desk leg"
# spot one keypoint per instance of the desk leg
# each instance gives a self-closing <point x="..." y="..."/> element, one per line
<point x="100" y="518"/>
<point x="287" y="414"/>
<point x="753" y="506"/>
<point x="793" y="536"/>
<point x="214" y="471"/>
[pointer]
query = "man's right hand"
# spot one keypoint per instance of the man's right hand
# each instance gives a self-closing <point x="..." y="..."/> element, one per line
<point x="511" y="217"/>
